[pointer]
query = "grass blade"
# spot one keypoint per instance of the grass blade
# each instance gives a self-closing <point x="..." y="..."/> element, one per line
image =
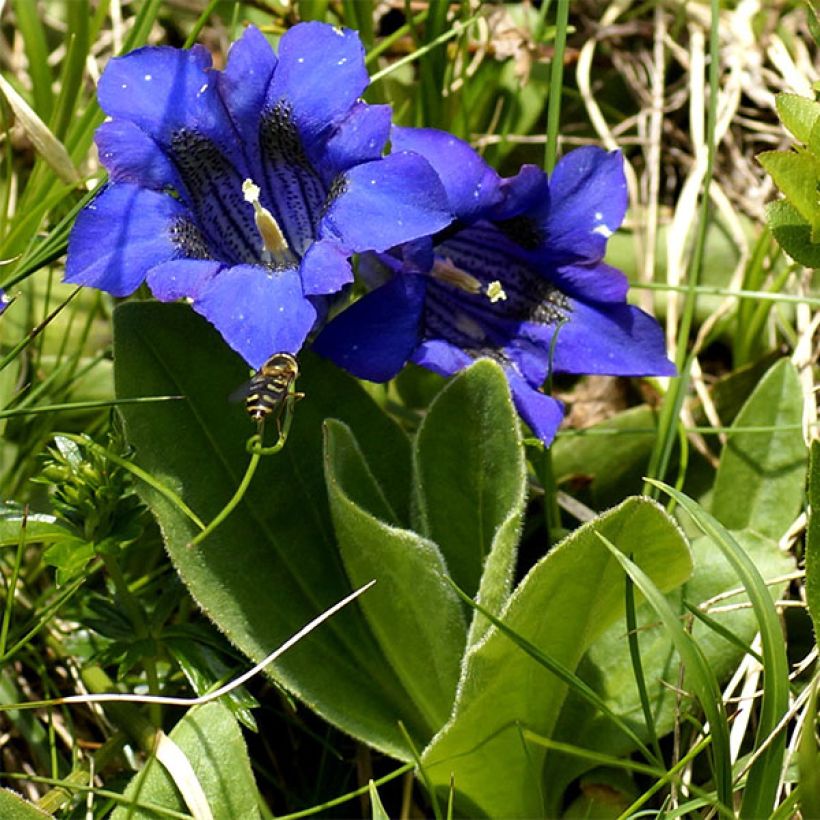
<point x="763" y="778"/>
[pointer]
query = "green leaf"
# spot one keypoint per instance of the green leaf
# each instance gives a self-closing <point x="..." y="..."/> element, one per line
<point x="798" y="114"/>
<point x="377" y="811"/>
<point x="793" y="233"/>
<point x="813" y="540"/>
<point x="608" y="669"/>
<point x="213" y="744"/>
<point x="470" y="486"/>
<point x="412" y="610"/>
<point x="795" y="174"/>
<point x="14" y="807"/>
<point x="566" y="601"/>
<point x="273" y="565"/>
<point x="759" y="483"/>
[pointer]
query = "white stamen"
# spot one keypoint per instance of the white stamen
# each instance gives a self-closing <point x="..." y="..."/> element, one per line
<point x="445" y="271"/>
<point x="495" y="292"/>
<point x="273" y="240"/>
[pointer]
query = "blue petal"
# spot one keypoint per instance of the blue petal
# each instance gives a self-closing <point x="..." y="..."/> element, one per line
<point x="541" y="412"/>
<point x="527" y="194"/>
<point x="325" y="268"/>
<point x="441" y="357"/>
<point x="181" y="278"/>
<point x="386" y="202"/>
<point x="360" y="137"/>
<point x="5" y="301"/>
<point x="470" y="183"/>
<point x="244" y="83"/>
<point x="320" y="75"/>
<point x="164" y="90"/>
<point x="257" y="312"/>
<point x="119" y="236"/>
<point x="375" y="336"/>
<point x="598" y="282"/>
<point x="588" y="202"/>
<point x="613" y="340"/>
<point x="130" y="155"/>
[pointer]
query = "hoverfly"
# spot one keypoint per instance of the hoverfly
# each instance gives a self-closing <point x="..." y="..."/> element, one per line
<point x="270" y="391"/>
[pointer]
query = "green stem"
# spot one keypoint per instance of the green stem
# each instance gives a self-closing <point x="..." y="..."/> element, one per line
<point x="135" y="614"/>
<point x="556" y="82"/>
<point x="235" y="500"/>
<point x="12" y="585"/>
<point x="125" y="716"/>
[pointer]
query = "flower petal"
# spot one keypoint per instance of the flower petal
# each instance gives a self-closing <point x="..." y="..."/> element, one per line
<point x="320" y="75"/>
<point x="387" y="202"/>
<point x="244" y="83"/>
<point x="470" y="183"/>
<point x="598" y="282"/>
<point x="181" y="278"/>
<point x="360" y="137"/>
<point x="375" y="336"/>
<point x="130" y="155"/>
<point x="257" y="312"/>
<point x="119" y="236"/>
<point x="527" y="193"/>
<point x="441" y="357"/>
<point x="325" y="268"/>
<point x="541" y="412"/>
<point x="613" y="340"/>
<point x="588" y="201"/>
<point x="164" y="90"/>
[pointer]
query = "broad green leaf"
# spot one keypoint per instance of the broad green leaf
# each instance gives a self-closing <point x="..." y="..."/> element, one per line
<point x="795" y="174"/>
<point x="273" y="565"/>
<point x="814" y="141"/>
<point x="413" y="611"/>
<point x="759" y="483"/>
<point x="39" y="529"/>
<point x="798" y="114"/>
<point x="470" y="483"/>
<point x="608" y="460"/>
<point x="15" y="807"/>
<point x="566" y="601"/>
<point x="793" y="233"/>
<point x="210" y="739"/>
<point x="607" y="666"/>
<point x="813" y="540"/>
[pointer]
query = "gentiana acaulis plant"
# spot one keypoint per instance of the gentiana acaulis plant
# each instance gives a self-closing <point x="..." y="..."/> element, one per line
<point x="522" y="262"/>
<point x="94" y="498"/>
<point x="247" y="190"/>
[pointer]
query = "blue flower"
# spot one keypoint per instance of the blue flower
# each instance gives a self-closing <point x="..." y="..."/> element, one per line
<point x="247" y="190"/>
<point x="522" y="261"/>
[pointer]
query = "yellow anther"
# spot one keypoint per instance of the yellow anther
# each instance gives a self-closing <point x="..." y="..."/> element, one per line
<point x="445" y="271"/>
<point x="495" y="292"/>
<point x="273" y="240"/>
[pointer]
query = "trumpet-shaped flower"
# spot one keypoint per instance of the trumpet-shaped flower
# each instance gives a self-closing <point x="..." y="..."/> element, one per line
<point x="247" y="190"/>
<point x="517" y="277"/>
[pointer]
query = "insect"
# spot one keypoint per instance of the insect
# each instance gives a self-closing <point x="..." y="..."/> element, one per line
<point x="271" y="387"/>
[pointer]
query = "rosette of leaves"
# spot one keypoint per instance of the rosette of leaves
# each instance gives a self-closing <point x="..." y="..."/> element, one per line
<point x="795" y="219"/>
